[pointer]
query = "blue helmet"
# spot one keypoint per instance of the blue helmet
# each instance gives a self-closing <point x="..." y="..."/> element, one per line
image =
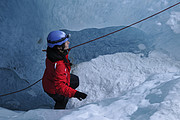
<point x="57" y="38"/>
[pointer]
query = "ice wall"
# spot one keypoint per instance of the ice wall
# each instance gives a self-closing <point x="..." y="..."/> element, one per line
<point x="25" y="25"/>
<point x="130" y="40"/>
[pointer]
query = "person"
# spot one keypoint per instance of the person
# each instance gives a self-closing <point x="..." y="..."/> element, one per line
<point x="57" y="81"/>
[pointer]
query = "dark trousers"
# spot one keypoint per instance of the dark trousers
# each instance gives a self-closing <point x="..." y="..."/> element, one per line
<point x="60" y="100"/>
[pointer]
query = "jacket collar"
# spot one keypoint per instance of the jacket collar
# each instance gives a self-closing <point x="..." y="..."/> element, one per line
<point x="54" y="55"/>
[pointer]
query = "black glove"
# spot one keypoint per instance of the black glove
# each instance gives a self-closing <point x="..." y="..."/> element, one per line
<point x="80" y="95"/>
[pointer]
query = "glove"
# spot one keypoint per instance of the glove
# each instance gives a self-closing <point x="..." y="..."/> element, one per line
<point x="80" y="95"/>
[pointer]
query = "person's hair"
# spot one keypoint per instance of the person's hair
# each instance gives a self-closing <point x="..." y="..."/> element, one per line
<point x="59" y="47"/>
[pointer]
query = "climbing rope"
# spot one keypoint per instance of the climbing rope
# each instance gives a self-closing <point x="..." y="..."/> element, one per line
<point x="126" y="26"/>
<point x="97" y="39"/>
<point x="21" y="89"/>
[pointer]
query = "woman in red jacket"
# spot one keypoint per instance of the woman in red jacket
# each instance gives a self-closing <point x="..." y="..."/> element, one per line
<point x="57" y="81"/>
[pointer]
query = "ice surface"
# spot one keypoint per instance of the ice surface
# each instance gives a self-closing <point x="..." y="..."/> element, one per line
<point x="174" y="22"/>
<point x="130" y="75"/>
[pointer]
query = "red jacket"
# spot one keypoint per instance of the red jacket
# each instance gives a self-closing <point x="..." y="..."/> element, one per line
<point x="56" y="78"/>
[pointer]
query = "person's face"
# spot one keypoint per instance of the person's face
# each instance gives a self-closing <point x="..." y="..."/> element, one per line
<point x="66" y="45"/>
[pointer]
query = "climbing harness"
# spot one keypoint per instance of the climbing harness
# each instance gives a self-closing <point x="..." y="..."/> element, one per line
<point x="97" y="39"/>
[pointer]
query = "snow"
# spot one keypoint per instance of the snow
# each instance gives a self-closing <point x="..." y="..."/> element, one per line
<point x="131" y="75"/>
<point x="113" y="75"/>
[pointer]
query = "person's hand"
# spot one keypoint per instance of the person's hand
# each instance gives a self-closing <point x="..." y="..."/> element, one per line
<point x="80" y="95"/>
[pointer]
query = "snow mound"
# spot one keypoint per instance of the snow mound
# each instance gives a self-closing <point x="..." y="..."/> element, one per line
<point x="113" y="75"/>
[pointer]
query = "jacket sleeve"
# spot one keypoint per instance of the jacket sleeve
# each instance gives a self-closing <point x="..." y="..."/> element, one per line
<point x="60" y="80"/>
